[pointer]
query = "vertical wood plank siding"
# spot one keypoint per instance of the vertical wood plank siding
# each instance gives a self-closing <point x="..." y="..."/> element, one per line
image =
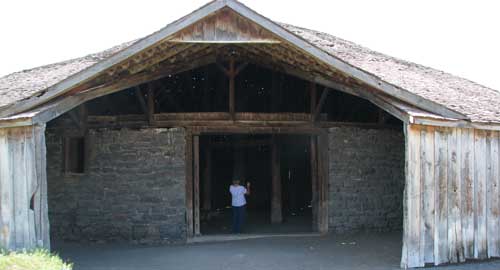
<point x="24" y="219"/>
<point x="451" y="195"/>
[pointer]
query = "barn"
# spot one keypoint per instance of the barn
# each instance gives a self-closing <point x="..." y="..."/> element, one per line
<point x="139" y="142"/>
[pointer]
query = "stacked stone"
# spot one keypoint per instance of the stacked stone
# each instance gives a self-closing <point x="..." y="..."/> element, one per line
<point x="132" y="189"/>
<point x="366" y="179"/>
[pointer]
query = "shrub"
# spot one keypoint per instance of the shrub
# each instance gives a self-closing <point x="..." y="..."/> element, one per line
<point x="32" y="260"/>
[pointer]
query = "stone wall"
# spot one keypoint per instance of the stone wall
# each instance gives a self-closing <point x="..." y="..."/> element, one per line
<point x="366" y="179"/>
<point x="132" y="190"/>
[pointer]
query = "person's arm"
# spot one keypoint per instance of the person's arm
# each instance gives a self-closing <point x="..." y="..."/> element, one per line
<point x="248" y="189"/>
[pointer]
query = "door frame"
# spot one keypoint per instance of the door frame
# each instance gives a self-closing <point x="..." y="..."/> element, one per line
<point x="319" y="160"/>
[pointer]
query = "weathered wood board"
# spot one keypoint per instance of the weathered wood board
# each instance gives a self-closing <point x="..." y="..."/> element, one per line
<point x="24" y="220"/>
<point x="224" y="26"/>
<point x="451" y="195"/>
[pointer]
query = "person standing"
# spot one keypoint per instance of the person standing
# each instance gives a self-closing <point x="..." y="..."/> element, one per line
<point x="238" y="202"/>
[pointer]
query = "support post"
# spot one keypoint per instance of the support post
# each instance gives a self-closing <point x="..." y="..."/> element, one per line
<point x="321" y="102"/>
<point x="323" y="177"/>
<point x="207" y="180"/>
<point x="196" y="183"/>
<point x="231" y="73"/>
<point x="314" y="182"/>
<point x="276" y="211"/>
<point x="189" y="184"/>
<point x="232" y="76"/>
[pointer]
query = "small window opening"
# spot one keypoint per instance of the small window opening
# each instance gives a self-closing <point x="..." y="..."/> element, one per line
<point x="75" y="155"/>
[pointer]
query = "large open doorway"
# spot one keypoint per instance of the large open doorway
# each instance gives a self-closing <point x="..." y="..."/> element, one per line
<point x="283" y="171"/>
<point x="250" y="158"/>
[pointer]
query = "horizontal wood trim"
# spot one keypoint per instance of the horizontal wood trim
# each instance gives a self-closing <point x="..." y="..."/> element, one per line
<point x="208" y="116"/>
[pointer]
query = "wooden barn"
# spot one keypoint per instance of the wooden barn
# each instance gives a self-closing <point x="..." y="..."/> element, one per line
<point x="139" y="142"/>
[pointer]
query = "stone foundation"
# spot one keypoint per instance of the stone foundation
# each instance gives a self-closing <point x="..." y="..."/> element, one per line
<point x="132" y="189"/>
<point x="366" y="179"/>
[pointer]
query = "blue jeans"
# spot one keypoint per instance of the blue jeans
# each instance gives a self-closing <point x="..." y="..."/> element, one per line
<point x="238" y="218"/>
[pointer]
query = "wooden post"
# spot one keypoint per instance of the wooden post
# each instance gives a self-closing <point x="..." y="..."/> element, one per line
<point x="189" y="184"/>
<point x="321" y="102"/>
<point x="207" y="180"/>
<point x="314" y="183"/>
<point x="196" y="183"/>
<point x="323" y="178"/>
<point x="232" y="76"/>
<point x="276" y="212"/>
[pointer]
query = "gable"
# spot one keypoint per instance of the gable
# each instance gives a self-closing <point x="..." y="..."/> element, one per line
<point x="224" y="26"/>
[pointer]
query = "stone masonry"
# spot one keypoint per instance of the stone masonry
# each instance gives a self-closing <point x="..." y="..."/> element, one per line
<point x="366" y="179"/>
<point x="132" y="189"/>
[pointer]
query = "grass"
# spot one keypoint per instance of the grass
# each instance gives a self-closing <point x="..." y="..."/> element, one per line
<point x="32" y="260"/>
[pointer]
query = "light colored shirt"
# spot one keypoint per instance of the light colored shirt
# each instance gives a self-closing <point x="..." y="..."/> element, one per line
<point x="238" y="195"/>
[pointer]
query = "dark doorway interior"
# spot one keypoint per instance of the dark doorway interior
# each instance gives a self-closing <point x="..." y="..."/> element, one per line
<point x="249" y="158"/>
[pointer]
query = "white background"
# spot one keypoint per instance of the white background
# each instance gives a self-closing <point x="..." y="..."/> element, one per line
<point x="458" y="36"/>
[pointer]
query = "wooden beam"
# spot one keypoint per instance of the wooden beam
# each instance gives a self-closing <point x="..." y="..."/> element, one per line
<point x="321" y="102"/>
<point x="231" y="73"/>
<point x="231" y="129"/>
<point x="79" y="118"/>
<point x="323" y="179"/>
<point x="162" y="55"/>
<point x="189" y="185"/>
<point x="382" y="116"/>
<point x="222" y="68"/>
<point x="314" y="182"/>
<point x="240" y="144"/>
<point x="276" y="207"/>
<point x="207" y="179"/>
<point x="232" y="98"/>
<point x="74" y="118"/>
<point x="54" y="109"/>
<point x="240" y="68"/>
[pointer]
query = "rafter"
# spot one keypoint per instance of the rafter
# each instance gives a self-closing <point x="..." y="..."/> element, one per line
<point x="320" y="104"/>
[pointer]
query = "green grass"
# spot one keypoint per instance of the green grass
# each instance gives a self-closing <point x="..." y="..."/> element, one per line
<point x="32" y="260"/>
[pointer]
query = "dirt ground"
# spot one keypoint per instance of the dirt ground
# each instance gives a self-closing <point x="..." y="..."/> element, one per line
<point x="361" y="251"/>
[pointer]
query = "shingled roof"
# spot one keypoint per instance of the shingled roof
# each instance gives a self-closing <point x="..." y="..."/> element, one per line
<point x="477" y="102"/>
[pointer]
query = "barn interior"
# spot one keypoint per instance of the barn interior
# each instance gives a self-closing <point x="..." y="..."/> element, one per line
<point x="249" y="159"/>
